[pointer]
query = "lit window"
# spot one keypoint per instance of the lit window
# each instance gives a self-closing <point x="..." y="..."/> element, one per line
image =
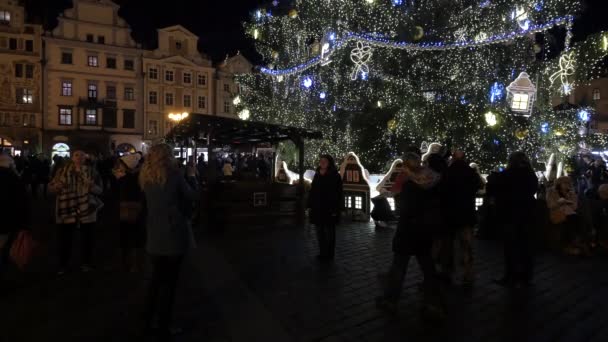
<point x="169" y="99"/>
<point x="478" y="202"/>
<point x="91" y="117"/>
<point x="348" y="202"/>
<point x="202" y="102"/>
<point x="153" y="97"/>
<point x="66" y="88"/>
<point x="358" y="202"/>
<point x="5" y="17"/>
<point x="153" y="127"/>
<point x="153" y="74"/>
<point x="187" y="78"/>
<point x="25" y="96"/>
<point x="129" y="94"/>
<point x="520" y="101"/>
<point x="187" y="101"/>
<point x="202" y="80"/>
<point x="169" y="76"/>
<point x="93" y="61"/>
<point x="92" y="90"/>
<point x="597" y="95"/>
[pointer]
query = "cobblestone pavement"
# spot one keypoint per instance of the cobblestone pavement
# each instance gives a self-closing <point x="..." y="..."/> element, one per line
<point x="263" y="284"/>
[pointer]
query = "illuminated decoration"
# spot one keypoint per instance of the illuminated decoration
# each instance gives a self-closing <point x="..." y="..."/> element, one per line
<point x="491" y="119"/>
<point x="369" y="1"/>
<point x="397" y="2"/>
<point x="566" y="69"/>
<point x="387" y="182"/>
<point x="307" y="82"/>
<point x="419" y="33"/>
<point x="244" y="114"/>
<point x="584" y="115"/>
<point x="256" y="34"/>
<point x="496" y="92"/>
<point x="379" y="104"/>
<point x="544" y="127"/>
<point x="356" y="187"/>
<point x="322" y="95"/>
<point x="293" y="13"/>
<point x="391" y="125"/>
<point x="178" y="117"/>
<point x="429" y="95"/>
<point x="460" y="35"/>
<point x="424" y="147"/>
<point x="605" y="43"/>
<point x="521" y="17"/>
<point x="521" y="134"/>
<point x="522" y="94"/>
<point x="481" y="37"/>
<point x="559" y="132"/>
<point x="236" y="101"/>
<point x="360" y="56"/>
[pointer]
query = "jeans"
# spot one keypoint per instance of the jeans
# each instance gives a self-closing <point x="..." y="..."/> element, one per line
<point x="398" y="272"/>
<point x="66" y="236"/>
<point x="161" y="291"/>
<point x="464" y="235"/>
<point x="519" y="253"/>
<point x="326" y="234"/>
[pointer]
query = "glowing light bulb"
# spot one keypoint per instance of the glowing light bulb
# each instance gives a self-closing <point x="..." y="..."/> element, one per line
<point x="244" y="114"/>
<point x="491" y="119"/>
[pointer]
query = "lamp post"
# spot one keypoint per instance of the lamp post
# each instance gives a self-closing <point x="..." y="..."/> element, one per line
<point x="177" y="118"/>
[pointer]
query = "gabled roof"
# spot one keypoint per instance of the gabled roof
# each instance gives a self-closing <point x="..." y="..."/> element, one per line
<point x="179" y="28"/>
<point x="102" y="2"/>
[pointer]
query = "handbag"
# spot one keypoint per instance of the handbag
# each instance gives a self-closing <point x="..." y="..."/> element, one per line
<point x="130" y="211"/>
<point x="557" y="216"/>
<point x="22" y="249"/>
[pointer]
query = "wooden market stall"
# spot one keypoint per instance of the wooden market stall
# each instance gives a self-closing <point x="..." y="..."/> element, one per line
<point x="244" y="200"/>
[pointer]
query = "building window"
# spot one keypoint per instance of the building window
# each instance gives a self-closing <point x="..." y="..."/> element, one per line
<point x="101" y="39"/>
<point x="129" y="64"/>
<point x="153" y="97"/>
<point x="226" y="107"/>
<point x="202" y="102"/>
<point x="187" y="101"/>
<point x="92" y="91"/>
<point x="153" y="73"/>
<point x="520" y="102"/>
<point x="93" y="61"/>
<point x="128" y="118"/>
<point x="178" y="45"/>
<point x="26" y="121"/>
<point x="90" y="38"/>
<point x="29" y="71"/>
<point x="18" y="70"/>
<point x="66" y="88"/>
<point x="90" y="118"/>
<point x="129" y="94"/>
<point x="187" y="78"/>
<point x="227" y="87"/>
<point x="109" y="117"/>
<point x="169" y="76"/>
<point x="32" y="120"/>
<point x="25" y="96"/>
<point x="65" y="116"/>
<point x="153" y="127"/>
<point x="111" y="63"/>
<point x="5" y="17"/>
<point x="29" y="45"/>
<point x="202" y="80"/>
<point x="12" y="44"/>
<point x="111" y="92"/>
<point x="597" y="95"/>
<point x="66" y="58"/>
<point x="169" y="99"/>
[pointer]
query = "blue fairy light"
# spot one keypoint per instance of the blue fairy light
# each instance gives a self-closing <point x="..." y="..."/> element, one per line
<point x="496" y="142"/>
<point x="583" y="115"/>
<point x="544" y="127"/>
<point x="364" y="76"/>
<point x="322" y="95"/>
<point x="397" y="2"/>
<point x="539" y="6"/>
<point x="463" y="100"/>
<point x="496" y="92"/>
<point x="307" y="82"/>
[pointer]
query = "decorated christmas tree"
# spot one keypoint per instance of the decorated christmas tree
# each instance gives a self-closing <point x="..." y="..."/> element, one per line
<point x="377" y="76"/>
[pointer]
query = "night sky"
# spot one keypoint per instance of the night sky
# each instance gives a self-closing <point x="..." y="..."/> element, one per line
<point x="218" y="22"/>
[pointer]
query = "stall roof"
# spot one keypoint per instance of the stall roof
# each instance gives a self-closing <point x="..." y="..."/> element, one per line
<point x="227" y="131"/>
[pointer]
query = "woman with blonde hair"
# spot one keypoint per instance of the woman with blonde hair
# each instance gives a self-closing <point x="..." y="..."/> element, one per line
<point x="169" y="233"/>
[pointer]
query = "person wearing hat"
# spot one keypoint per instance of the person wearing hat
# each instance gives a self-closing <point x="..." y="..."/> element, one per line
<point x="131" y="211"/>
<point x="13" y="207"/>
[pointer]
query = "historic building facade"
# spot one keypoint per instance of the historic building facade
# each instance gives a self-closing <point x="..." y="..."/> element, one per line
<point x="226" y="87"/>
<point x="93" y="81"/>
<point x="177" y="79"/>
<point x="20" y="81"/>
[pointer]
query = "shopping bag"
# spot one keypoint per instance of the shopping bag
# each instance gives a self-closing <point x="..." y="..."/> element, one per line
<point x="22" y="249"/>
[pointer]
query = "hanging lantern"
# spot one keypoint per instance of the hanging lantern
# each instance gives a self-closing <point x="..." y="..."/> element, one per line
<point x="392" y="125"/>
<point x="521" y="95"/>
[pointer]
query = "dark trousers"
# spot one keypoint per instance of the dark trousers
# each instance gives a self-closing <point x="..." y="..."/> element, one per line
<point x="326" y="234"/>
<point x="519" y="253"/>
<point x="398" y="271"/>
<point x="66" y="237"/>
<point x="161" y="291"/>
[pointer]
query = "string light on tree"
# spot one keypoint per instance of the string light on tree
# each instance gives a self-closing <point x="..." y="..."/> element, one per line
<point x="491" y="119"/>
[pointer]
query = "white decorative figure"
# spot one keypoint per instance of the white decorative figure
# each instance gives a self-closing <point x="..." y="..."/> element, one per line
<point x="566" y="69"/>
<point x="387" y="182"/>
<point x="360" y="56"/>
<point x="460" y="35"/>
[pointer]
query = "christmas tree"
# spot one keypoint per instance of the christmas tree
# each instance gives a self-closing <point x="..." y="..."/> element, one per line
<point x="376" y="76"/>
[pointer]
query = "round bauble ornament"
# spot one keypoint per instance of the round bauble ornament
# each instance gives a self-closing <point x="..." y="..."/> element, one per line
<point x="293" y="13"/>
<point x="521" y="134"/>
<point x="275" y="54"/>
<point x="559" y="132"/>
<point x="537" y="48"/>
<point x="418" y="33"/>
<point x="391" y="125"/>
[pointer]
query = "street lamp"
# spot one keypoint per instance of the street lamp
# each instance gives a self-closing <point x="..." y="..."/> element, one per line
<point x="177" y="118"/>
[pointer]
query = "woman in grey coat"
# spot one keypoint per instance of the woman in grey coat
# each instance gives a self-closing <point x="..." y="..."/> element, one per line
<point x="169" y="198"/>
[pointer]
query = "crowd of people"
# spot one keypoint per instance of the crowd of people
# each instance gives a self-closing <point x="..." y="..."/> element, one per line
<point x="436" y="198"/>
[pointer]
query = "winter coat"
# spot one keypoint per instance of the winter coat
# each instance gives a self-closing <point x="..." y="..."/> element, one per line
<point x="460" y="187"/>
<point x="13" y="202"/>
<point x="419" y="213"/>
<point x="566" y="200"/>
<point x="169" y="231"/>
<point x="515" y="190"/>
<point x="325" y="198"/>
<point x="77" y="200"/>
